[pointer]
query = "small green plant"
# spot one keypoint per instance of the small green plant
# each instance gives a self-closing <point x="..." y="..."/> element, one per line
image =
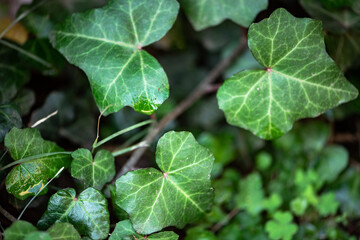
<point x="226" y="179"/>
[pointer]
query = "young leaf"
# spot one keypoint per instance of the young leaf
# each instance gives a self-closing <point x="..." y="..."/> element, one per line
<point x="300" y="79"/>
<point x="26" y="179"/>
<point x="327" y="204"/>
<point x="94" y="173"/>
<point x="110" y="51"/>
<point x="124" y="231"/>
<point x="207" y="13"/>
<point x="179" y="194"/>
<point x="281" y="227"/>
<point x="9" y="118"/>
<point x="63" y="231"/>
<point x="19" y="230"/>
<point x="88" y="212"/>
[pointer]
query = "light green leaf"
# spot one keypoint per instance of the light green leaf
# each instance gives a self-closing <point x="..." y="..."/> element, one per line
<point x="179" y="194"/>
<point x="38" y="236"/>
<point x="63" y="231"/>
<point x="299" y="80"/>
<point x="207" y="13"/>
<point x="273" y="202"/>
<point x="298" y="206"/>
<point x="110" y="51"/>
<point x="263" y="160"/>
<point x="124" y="231"/>
<point x="93" y="172"/>
<point x="88" y="212"/>
<point x="19" y="230"/>
<point x="28" y="178"/>
<point x="251" y="194"/>
<point x="9" y="118"/>
<point x="281" y="227"/>
<point x="327" y="204"/>
<point x="197" y="233"/>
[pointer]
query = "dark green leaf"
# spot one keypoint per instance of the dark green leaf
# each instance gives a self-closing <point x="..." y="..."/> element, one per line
<point x="299" y="80"/>
<point x="28" y="178"/>
<point x="120" y="73"/>
<point x="19" y="230"/>
<point x="9" y="118"/>
<point x="181" y="193"/>
<point x="207" y="13"/>
<point x="88" y="212"/>
<point x="119" y="212"/>
<point x="93" y="172"/>
<point x="25" y="99"/>
<point x="63" y="231"/>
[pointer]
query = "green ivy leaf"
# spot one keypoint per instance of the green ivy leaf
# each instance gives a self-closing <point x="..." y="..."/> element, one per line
<point x="124" y="231"/>
<point x="207" y="13"/>
<point x="181" y="193"/>
<point x="94" y="173"/>
<point x="19" y="230"/>
<point x="120" y="73"/>
<point x="327" y="204"/>
<point x="9" y="118"/>
<point x="88" y="212"/>
<point x="281" y="227"/>
<point x="251" y="194"/>
<point x="300" y="79"/>
<point x="63" y="231"/>
<point x="38" y="236"/>
<point x="25" y="99"/>
<point x="119" y="212"/>
<point x="27" y="178"/>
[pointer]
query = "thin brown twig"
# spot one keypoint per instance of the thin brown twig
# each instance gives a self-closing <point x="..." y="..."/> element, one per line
<point x="227" y="219"/>
<point x="198" y="92"/>
<point x="7" y="214"/>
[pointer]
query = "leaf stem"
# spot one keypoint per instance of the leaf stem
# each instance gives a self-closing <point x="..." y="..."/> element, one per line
<point x="112" y="136"/>
<point x="26" y="53"/>
<point x="7" y="214"/>
<point x="197" y="93"/>
<point x="129" y="149"/>
<point x="20" y="17"/>
<point x="27" y="205"/>
<point x="225" y="221"/>
<point x="31" y="158"/>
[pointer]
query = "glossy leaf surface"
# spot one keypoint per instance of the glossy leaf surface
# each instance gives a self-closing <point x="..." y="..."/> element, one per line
<point x="110" y="51"/>
<point x="179" y="194"/>
<point x="299" y="80"/>
<point x="88" y="212"/>
<point x="27" y="178"/>
<point x="206" y="13"/>
<point x="93" y="172"/>
<point x="63" y="231"/>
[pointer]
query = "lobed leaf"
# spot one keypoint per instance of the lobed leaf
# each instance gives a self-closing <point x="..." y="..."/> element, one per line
<point x="179" y="194"/>
<point x="19" y="230"/>
<point x="299" y="80"/>
<point x="107" y="44"/>
<point x="26" y="179"/>
<point x="63" y="231"/>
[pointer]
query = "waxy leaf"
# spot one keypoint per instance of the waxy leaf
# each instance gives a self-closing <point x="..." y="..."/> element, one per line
<point x="88" y="212"/>
<point x="26" y="179"/>
<point x="110" y="51"/>
<point x="94" y="173"/>
<point x="125" y="231"/>
<point x="38" y="236"/>
<point x="207" y="13"/>
<point x="179" y="194"/>
<point x="19" y="230"/>
<point x="9" y="118"/>
<point x="299" y="80"/>
<point x="63" y="231"/>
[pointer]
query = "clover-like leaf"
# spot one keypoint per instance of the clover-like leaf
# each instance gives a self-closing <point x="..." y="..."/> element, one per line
<point x="281" y="227"/>
<point x="63" y="231"/>
<point x="88" y="212"/>
<point x="110" y="51"/>
<point x="179" y="194"/>
<point x="299" y="80"/>
<point x="19" y="230"/>
<point x="93" y="172"/>
<point x="327" y="204"/>
<point x="28" y="178"/>
<point x="125" y="231"/>
<point x="206" y="13"/>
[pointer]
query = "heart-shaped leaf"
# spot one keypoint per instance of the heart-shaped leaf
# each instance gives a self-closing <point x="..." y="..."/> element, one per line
<point x="206" y="13"/>
<point x="63" y="231"/>
<point x="179" y="194"/>
<point x="26" y="179"/>
<point x="19" y="230"/>
<point x="94" y="173"/>
<point x="110" y="51"/>
<point x="88" y="212"/>
<point x="299" y="80"/>
<point x="125" y="231"/>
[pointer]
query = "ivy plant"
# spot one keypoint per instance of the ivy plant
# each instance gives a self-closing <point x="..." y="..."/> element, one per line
<point x="82" y="81"/>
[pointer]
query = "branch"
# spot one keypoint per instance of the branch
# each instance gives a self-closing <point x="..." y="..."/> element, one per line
<point x="198" y="92"/>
